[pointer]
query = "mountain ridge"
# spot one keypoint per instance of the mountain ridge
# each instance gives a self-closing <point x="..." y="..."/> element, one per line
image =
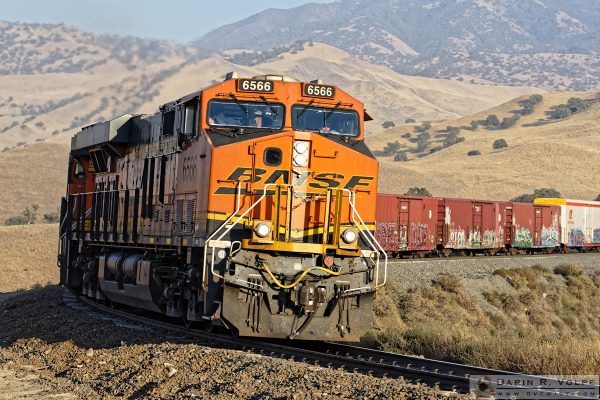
<point x="532" y="42"/>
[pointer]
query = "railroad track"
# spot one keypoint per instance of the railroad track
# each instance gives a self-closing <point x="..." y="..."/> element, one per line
<point x="444" y="375"/>
<point x="539" y="256"/>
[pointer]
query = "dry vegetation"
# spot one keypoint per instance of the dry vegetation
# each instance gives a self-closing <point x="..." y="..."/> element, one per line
<point x="532" y="319"/>
<point x="28" y="256"/>
<point x="35" y="174"/>
<point x="540" y="153"/>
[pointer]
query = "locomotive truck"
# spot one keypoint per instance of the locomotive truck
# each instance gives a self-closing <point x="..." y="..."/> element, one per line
<point x="249" y="205"/>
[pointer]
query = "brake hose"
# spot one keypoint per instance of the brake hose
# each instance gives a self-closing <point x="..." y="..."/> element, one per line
<point x="291" y="285"/>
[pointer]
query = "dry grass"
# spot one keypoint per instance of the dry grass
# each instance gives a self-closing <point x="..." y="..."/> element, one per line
<point x="33" y="174"/>
<point x="28" y="256"/>
<point x="556" y="155"/>
<point x="548" y="322"/>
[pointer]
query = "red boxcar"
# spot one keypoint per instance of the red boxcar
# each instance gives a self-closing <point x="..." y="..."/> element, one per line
<point x="534" y="226"/>
<point x="470" y="225"/>
<point x="406" y="224"/>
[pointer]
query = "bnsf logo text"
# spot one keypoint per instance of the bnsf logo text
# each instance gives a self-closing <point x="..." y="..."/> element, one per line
<point x="322" y="180"/>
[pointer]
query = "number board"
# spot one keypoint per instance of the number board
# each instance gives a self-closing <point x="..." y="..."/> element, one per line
<point x="252" y="85"/>
<point x="314" y="90"/>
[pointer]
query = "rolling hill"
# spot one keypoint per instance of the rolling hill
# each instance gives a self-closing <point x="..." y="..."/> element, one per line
<point x="56" y="79"/>
<point x="542" y="152"/>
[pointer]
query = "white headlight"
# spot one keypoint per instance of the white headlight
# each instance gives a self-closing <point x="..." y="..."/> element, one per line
<point x="262" y="230"/>
<point x="300" y="160"/>
<point x="301" y="147"/>
<point x="349" y="236"/>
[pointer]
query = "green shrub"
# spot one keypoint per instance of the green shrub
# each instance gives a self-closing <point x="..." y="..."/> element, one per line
<point x="474" y="153"/>
<point x="500" y="144"/>
<point x="425" y="126"/>
<point x="561" y="111"/>
<point x="507" y="122"/>
<point x="492" y="120"/>
<point x="27" y="217"/>
<point x="392" y="148"/>
<point x="537" y="193"/>
<point x="401" y="156"/>
<point x="417" y="191"/>
<point x="409" y="121"/>
<point x="388" y="124"/>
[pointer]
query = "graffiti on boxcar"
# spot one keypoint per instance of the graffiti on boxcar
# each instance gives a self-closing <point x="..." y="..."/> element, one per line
<point x="457" y="238"/>
<point x="550" y="236"/>
<point x="402" y="237"/>
<point x="523" y="238"/>
<point x="474" y="238"/>
<point x="418" y="235"/>
<point x="596" y="236"/>
<point x="489" y="239"/>
<point x="576" y="238"/>
<point x="387" y="235"/>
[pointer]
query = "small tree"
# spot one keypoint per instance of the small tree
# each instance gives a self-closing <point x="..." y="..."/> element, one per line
<point x="418" y="191"/>
<point x="492" y="120"/>
<point x="392" y="148"/>
<point x="406" y="135"/>
<point x="507" y="122"/>
<point x="423" y="140"/>
<point x="27" y="217"/>
<point x="51" y="218"/>
<point x="536" y="98"/>
<point x="425" y="126"/>
<point x="597" y="198"/>
<point x="537" y="194"/>
<point x="561" y="111"/>
<point x="500" y="144"/>
<point x="474" y="153"/>
<point x="576" y="104"/>
<point x="402" y="156"/>
<point x="409" y="121"/>
<point x="474" y="125"/>
<point x="452" y="130"/>
<point x="388" y="124"/>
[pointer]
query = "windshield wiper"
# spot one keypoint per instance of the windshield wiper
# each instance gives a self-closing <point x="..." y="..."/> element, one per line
<point x="239" y="103"/>
<point x="225" y="131"/>
<point x="332" y="111"/>
<point x="273" y="109"/>
<point x="305" y="108"/>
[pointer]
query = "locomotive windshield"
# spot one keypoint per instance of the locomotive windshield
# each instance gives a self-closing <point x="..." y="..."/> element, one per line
<point x="245" y="114"/>
<point x="325" y="120"/>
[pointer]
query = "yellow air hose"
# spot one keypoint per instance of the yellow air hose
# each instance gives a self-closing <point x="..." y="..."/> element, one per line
<point x="291" y="285"/>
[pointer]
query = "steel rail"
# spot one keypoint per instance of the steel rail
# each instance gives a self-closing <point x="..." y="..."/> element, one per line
<point x="434" y="373"/>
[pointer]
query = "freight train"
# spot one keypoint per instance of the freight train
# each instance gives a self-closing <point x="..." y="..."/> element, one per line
<point x="411" y="226"/>
<point x="248" y="205"/>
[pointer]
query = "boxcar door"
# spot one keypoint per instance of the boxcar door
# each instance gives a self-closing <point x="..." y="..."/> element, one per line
<point x="475" y="237"/>
<point x="403" y="222"/>
<point x="538" y="225"/>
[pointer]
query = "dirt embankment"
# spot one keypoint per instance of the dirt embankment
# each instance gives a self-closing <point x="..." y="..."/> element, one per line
<point x="28" y="256"/>
<point x="126" y="360"/>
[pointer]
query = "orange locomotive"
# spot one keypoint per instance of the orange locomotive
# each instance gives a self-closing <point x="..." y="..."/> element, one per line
<point x="249" y="204"/>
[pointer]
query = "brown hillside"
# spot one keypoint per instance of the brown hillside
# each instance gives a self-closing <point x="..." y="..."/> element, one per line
<point x="52" y="106"/>
<point x="559" y="154"/>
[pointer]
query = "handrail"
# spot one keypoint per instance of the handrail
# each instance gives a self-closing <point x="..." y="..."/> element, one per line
<point x="369" y="236"/>
<point x="239" y="205"/>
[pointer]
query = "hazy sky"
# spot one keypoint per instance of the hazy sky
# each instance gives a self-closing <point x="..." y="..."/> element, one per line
<point x="180" y="20"/>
